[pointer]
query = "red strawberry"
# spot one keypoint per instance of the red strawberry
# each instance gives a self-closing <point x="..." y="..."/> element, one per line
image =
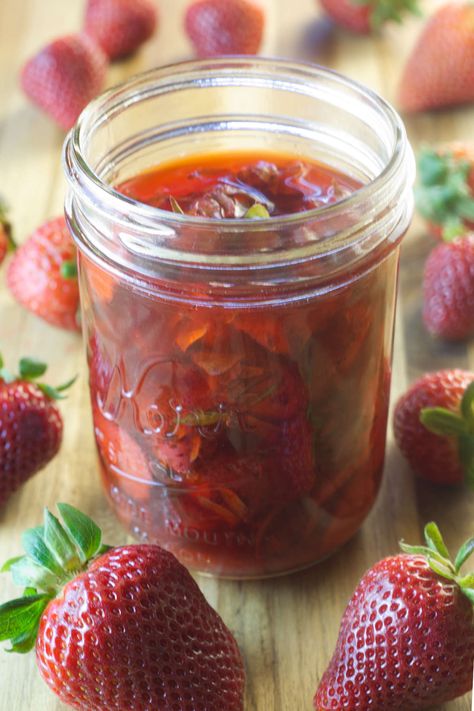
<point x="440" y="70"/>
<point x="6" y="241"/>
<point x="231" y="27"/>
<point x="31" y="426"/>
<point x="434" y="426"/>
<point x="448" y="289"/>
<point x="363" y="16"/>
<point x="120" y="26"/>
<point x="445" y="191"/>
<point x="64" y="76"/>
<point x="406" y="639"/>
<point x="119" y="629"/>
<point x="42" y="275"/>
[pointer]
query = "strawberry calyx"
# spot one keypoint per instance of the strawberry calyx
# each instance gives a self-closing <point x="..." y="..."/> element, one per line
<point x="29" y="369"/>
<point x="459" y="425"/>
<point x="383" y="11"/>
<point x="55" y="554"/>
<point x="443" y="195"/>
<point x="6" y="226"/>
<point x="439" y="559"/>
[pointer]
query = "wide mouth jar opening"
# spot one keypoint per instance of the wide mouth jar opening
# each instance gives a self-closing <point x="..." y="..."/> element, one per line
<point x="233" y="104"/>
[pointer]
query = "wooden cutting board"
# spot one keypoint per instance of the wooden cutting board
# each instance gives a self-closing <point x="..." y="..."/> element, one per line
<point x="286" y="627"/>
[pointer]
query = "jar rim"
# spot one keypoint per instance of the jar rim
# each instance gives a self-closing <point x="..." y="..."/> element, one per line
<point x="82" y="176"/>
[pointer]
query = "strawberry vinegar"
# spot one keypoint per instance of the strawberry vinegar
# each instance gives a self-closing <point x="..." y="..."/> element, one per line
<point x="238" y="268"/>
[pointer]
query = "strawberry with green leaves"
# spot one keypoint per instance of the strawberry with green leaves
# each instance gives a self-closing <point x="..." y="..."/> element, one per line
<point x="445" y="191"/>
<point x="118" y="628"/>
<point x="434" y="426"/>
<point x="364" y="16"/>
<point x="31" y="425"/>
<point x="406" y="639"/>
<point x="6" y="240"/>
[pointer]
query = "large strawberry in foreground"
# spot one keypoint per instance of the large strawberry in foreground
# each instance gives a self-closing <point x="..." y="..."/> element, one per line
<point x="406" y="640"/>
<point x="42" y="275"/>
<point x="31" y="425"/>
<point x="440" y="70"/>
<point x="117" y="629"/>
<point x="363" y="16"/>
<point x="434" y="426"/>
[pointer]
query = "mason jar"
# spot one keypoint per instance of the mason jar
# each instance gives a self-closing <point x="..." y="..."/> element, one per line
<point x="239" y="369"/>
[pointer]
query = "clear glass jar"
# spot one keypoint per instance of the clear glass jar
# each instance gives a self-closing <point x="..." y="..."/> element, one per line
<point x="239" y="369"/>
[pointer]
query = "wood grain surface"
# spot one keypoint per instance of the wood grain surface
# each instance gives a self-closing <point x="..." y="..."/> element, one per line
<point x="286" y="627"/>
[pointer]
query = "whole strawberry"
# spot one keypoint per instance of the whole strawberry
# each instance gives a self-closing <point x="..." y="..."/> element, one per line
<point x="118" y="629"/>
<point x="42" y="275"/>
<point x="120" y="26"/>
<point x="64" y="76"/>
<point x="231" y="27"/>
<point x="440" y="69"/>
<point x="448" y="289"/>
<point x="406" y="640"/>
<point x="6" y="240"/>
<point x="364" y="16"/>
<point x="31" y="425"/>
<point x="445" y="191"/>
<point x="434" y="426"/>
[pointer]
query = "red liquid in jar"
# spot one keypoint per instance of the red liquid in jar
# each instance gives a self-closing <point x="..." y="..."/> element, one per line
<point x="248" y="441"/>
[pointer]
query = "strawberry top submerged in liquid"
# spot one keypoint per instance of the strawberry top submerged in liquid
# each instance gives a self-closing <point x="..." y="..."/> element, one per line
<point x="227" y="185"/>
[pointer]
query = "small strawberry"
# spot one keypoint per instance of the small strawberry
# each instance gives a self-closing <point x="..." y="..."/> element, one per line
<point x="6" y="240"/>
<point x="120" y="26"/>
<point x="231" y="27"/>
<point x="117" y="629"/>
<point x="448" y="289"/>
<point x="406" y="639"/>
<point x="364" y="16"/>
<point x="445" y="191"/>
<point x="434" y="426"/>
<point x="31" y="425"/>
<point x="64" y="76"/>
<point x="42" y="275"/>
<point x="440" y="69"/>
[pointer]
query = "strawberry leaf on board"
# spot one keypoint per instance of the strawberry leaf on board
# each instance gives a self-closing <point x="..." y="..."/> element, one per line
<point x="82" y="530"/>
<point x="37" y="550"/>
<point x="17" y="616"/>
<point x="422" y="550"/>
<point x="464" y="553"/>
<point x="443" y="422"/>
<point x="29" y="368"/>
<point x="6" y="567"/>
<point x="55" y="393"/>
<point x="26" y="572"/>
<point x="434" y="540"/>
<point x="467" y="406"/>
<point x="59" y="543"/>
